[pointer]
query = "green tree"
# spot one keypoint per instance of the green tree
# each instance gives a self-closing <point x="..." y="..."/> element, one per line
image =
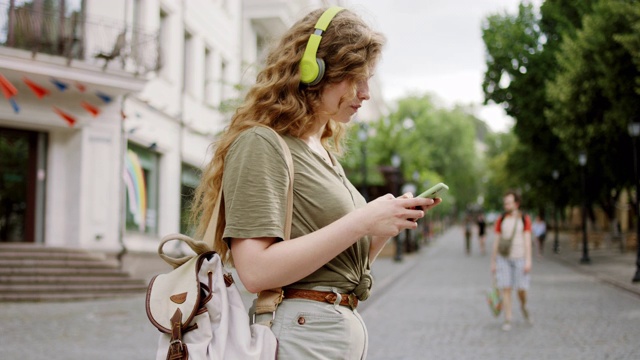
<point x="521" y="52"/>
<point x="592" y="100"/>
<point x="499" y="149"/>
<point x="434" y="144"/>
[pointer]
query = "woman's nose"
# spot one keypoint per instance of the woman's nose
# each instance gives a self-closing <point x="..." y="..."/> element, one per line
<point x="363" y="90"/>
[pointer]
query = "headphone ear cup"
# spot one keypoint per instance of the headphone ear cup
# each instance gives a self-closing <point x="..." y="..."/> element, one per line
<point x="308" y="70"/>
<point x="318" y="78"/>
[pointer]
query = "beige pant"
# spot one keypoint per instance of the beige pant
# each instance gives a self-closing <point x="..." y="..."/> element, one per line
<point x="308" y="329"/>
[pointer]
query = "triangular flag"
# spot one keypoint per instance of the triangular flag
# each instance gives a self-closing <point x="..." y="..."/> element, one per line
<point x="7" y="87"/>
<point x="106" y="98"/>
<point x="90" y="108"/>
<point x="38" y="90"/>
<point x="14" y="105"/>
<point x="59" y="84"/>
<point x="80" y="87"/>
<point x="68" y="118"/>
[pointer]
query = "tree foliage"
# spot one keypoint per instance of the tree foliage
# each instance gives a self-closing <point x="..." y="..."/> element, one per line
<point x="434" y="145"/>
<point x="563" y="73"/>
<point x="592" y="98"/>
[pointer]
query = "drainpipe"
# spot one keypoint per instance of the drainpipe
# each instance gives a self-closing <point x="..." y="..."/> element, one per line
<point x="123" y="193"/>
<point x="123" y="149"/>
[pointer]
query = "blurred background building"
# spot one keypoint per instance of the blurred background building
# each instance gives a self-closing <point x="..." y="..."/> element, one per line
<point x="109" y="109"/>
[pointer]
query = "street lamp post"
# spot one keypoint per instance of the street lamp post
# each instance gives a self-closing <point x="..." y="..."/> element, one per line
<point x="556" y="245"/>
<point x="634" y="132"/>
<point x="363" y="136"/>
<point x="582" y="159"/>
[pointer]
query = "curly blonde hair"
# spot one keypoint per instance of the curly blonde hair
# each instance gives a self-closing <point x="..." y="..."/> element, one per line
<point x="349" y="49"/>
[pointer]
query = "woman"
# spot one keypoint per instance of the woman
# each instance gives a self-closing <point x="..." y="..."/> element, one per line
<point x="335" y="235"/>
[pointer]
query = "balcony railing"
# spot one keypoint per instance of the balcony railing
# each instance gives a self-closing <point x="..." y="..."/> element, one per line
<point x="75" y="37"/>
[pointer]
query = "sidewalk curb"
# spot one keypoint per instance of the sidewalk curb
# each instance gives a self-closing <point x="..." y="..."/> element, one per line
<point x="603" y="278"/>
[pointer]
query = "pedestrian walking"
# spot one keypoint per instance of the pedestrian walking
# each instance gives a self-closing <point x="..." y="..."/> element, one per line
<point x="313" y="82"/>
<point x="468" y="227"/>
<point x="511" y="256"/>
<point x="539" y="230"/>
<point x="482" y="224"/>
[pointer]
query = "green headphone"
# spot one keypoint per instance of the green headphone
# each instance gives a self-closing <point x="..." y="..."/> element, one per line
<point x="311" y="67"/>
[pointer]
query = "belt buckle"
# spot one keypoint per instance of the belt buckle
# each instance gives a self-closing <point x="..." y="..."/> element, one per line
<point x="353" y="301"/>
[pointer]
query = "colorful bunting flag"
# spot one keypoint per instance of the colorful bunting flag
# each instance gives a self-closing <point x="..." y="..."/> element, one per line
<point x="68" y="118"/>
<point x="7" y="87"/>
<point x="14" y="105"/>
<point x="90" y="108"/>
<point x="38" y="90"/>
<point x="59" y="84"/>
<point x="104" y="97"/>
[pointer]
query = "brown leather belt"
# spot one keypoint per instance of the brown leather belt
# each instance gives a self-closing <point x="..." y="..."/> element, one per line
<point x="323" y="296"/>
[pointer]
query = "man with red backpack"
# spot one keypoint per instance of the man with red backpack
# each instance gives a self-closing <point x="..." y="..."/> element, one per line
<point x="511" y="256"/>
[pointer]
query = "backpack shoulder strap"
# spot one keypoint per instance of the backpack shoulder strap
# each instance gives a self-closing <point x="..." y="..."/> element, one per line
<point x="268" y="300"/>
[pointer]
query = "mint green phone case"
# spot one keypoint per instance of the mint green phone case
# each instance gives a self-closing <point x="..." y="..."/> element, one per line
<point x="434" y="191"/>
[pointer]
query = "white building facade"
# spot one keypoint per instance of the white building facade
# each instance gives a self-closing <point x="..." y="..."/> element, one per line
<point x="110" y="108"/>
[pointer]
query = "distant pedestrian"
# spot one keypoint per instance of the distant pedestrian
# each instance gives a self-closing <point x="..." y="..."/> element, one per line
<point x="482" y="224"/>
<point x="468" y="224"/>
<point x="539" y="230"/>
<point x="511" y="256"/>
<point x="426" y="232"/>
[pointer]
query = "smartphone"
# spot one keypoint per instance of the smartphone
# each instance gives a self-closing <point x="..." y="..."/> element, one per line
<point x="434" y="191"/>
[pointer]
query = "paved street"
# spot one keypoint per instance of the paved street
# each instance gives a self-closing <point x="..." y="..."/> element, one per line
<point x="430" y="306"/>
<point x="437" y="311"/>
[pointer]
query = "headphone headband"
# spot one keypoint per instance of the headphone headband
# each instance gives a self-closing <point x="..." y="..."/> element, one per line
<point x="326" y="17"/>
<point x="312" y="68"/>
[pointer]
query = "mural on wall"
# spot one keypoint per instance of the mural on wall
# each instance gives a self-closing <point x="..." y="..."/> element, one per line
<point x="38" y="89"/>
<point x="136" y="189"/>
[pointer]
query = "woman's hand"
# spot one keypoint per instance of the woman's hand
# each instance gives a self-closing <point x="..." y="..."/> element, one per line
<point x="409" y="195"/>
<point x="386" y="216"/>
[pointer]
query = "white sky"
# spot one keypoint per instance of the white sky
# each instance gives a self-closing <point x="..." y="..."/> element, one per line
<point x="436" y="46"/>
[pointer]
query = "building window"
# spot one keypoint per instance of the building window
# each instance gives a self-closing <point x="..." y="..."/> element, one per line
<point x="163" y="43"/>
<point x="223" y="92"/>
<point x="209" y="77"/>
<point x="262" y="48"/>
<point x="141" y="182"/>
<point x="188" y="183"/>
<point x="47" y="26"/>
<point x="187" y="61"/>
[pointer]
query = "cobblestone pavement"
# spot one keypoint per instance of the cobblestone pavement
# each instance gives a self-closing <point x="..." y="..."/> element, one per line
<point x="430" y="306"/>
<point x="437" y="310"/>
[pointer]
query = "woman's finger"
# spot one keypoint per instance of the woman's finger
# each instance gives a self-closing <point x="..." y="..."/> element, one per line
<point x="406" y="195"/>
<point x="435" y="203"/>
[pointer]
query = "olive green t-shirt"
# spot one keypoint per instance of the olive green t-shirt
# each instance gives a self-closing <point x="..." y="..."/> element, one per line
<point x="255" y="193"/>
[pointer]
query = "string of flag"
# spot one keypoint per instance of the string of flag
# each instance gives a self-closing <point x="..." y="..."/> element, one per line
<point x="10" y="93"/>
